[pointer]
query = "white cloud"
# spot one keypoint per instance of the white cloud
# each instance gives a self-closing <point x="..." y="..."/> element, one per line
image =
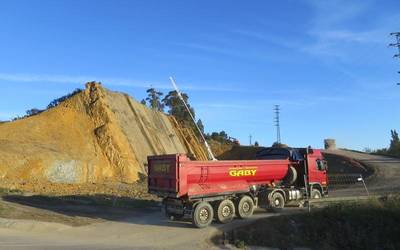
<point x="69" y="79"/>
<point x="262" y="36"/>
<point x="374" y="36"/>
<point x="334" y="35"/>
<point x="42" y="78"/>
<point x="232" y="49"/>
<point x="335" y="12"/>
<point x="209" y="48"/>
<point x="224" y="106"/>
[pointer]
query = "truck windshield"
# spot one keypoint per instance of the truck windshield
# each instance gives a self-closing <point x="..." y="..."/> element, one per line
<point x="320" y="165"/>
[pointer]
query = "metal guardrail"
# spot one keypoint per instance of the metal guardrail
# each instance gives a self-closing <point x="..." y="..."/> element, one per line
<point x="343" y="181"/>
<point x="337" y="181"/>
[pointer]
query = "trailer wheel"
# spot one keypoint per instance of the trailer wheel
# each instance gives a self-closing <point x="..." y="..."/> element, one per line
<point x="203" y="215"/>
<point x="225" y="211"/>
<point x="245" y="207"/>
<point x="315" y="194"/>
<point x="277" y="201"/>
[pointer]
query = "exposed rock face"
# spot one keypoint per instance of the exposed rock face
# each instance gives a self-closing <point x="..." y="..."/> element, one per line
<point x="95" y="136"/>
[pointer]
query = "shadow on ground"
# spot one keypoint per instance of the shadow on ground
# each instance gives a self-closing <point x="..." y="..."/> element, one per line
<point x="127" y="210"/>
<point x="92" y="206"/>
<point x="103" y="207"/>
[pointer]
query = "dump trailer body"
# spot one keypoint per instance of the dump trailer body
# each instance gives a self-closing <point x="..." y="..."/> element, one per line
<point x="177" y="176"/>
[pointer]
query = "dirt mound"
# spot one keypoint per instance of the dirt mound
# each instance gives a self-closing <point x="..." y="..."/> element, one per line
<point x="96" y="136"/>
<point x="231" y="151"/>
<point x="218" y="148"/>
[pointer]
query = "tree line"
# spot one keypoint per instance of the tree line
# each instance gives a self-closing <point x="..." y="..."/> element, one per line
<point x="176" y="108"/>
<point x="394" y="147"/>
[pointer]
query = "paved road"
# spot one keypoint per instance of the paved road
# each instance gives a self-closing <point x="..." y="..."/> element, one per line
<point x="144" y="231"/>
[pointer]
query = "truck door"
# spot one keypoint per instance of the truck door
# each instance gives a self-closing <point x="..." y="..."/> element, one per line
<point x="317" y="170"/>
<point x="321" y="171"/>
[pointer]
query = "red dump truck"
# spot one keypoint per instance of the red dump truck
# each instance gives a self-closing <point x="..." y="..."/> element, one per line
<point x="204" y="190"/>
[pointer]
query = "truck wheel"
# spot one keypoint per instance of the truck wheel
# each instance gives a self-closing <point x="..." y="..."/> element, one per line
<point x="315" y="194"/>
<point x="225" y="211"/>
<point x="245" y="207"/>
<point x="277" y="201"/>
<point x="203" y="215"/>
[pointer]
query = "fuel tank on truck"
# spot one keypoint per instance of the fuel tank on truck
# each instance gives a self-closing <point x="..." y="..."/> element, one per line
<point x="178" y="176"/>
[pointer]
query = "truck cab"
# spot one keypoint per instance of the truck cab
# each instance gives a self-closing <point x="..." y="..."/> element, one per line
<point x="307" y="162"/>
<point x="317" y="173"/>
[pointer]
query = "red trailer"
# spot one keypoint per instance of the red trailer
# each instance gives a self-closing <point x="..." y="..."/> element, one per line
<point x="203" y="190"/>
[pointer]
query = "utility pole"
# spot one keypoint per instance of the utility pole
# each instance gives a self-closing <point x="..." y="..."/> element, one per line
<point x="178" y="92"/>
<point x="396" y="44"/>
<point x="277" y="123"/>
<point x="250" y="139"/>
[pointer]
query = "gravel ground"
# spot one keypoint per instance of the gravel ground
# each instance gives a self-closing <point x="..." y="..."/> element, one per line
<point x="381" y="176"/>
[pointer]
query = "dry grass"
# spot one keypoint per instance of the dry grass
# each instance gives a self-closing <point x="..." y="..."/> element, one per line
<point x="372" y="224"/>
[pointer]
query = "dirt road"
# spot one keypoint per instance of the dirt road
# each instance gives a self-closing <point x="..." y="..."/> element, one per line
<point x="383" y="180"/>
<point x="145" y="230"/>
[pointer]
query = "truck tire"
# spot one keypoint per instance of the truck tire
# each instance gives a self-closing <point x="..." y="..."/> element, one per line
<point x="202" y="215"/>
<point x="277" y="202"/>
<point x="245" y="207"/>
<point x="315" y="194"/>
<point x="291" y="176"/>
<point x="225" y="211"/>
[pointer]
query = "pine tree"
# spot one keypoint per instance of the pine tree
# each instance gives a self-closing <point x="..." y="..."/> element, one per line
<point x="33" y="111"/>
<point x="200" y="125"/>
<point x="154" y="99"/>
<point x="394" y="148"/>
<point x="178" y="109"/>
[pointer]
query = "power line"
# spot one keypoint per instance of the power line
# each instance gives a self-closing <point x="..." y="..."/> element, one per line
<point x="396" y="44"/>
<point x="178" y="92"/>
<point x="277" y="123"/>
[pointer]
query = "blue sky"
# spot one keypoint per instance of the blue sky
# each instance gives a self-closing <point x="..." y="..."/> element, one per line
<point x="327" y="63"/>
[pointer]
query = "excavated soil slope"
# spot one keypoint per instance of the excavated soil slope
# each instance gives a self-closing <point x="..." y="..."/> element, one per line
<point x="149" y="132"/>
<point x="96" y="136"/>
